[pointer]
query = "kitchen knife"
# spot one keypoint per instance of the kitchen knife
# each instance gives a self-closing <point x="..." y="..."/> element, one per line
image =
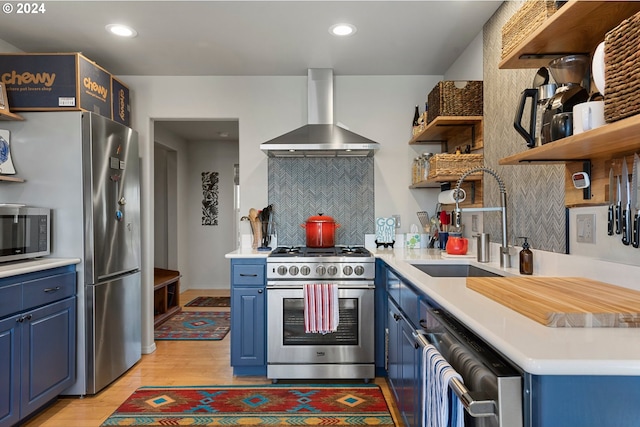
<point x="610" y="219"/>
<point x="626" y="209"/>
<point x="635" y="201"/>
<point x="618" y="213"/>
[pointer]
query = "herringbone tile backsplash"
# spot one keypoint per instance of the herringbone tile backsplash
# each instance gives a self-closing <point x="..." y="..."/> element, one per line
<point x="535" y="193"/>
<point x="342" y="188"/>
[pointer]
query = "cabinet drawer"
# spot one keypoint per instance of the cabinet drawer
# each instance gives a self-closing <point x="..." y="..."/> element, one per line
<point x="10" y="299"/>
<point x="248" y="274"/>
<point x="48" y="289"/>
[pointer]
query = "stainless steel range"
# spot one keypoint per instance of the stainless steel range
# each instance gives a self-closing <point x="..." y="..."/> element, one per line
<point x="347" y="353"/>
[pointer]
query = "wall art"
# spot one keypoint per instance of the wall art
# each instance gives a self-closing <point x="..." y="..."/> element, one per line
<point x="6" y="164"/>
<point x="210" y="182"/>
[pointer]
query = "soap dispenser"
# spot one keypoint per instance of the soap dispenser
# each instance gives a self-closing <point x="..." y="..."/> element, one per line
<point x="526" y="258"/>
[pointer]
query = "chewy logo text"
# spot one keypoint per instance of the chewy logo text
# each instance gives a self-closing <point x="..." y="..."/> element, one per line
<point x="95" y="87"/>
<point x="15" y="78"/>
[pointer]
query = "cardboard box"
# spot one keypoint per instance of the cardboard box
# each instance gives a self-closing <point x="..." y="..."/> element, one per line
<point x="55" y="82"/>
<point x="120" y="106"/>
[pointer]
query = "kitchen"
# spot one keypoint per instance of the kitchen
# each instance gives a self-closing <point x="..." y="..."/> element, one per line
<point x="359" y="106"/>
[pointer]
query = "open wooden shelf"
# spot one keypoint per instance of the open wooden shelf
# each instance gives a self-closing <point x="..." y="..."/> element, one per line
<point x="443" y="128"/>
<point x="8" y="178"/>
<point x="612" y="140"/>
<point x="577" y="27"/>
<point x="435" y="182"/>
<point x="166" y="294"/>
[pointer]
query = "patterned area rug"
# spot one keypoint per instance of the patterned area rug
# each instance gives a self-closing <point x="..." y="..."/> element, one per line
<point x="209" y="302"/>
<point x="255" y="405"/>
<point x="195" y="325"/>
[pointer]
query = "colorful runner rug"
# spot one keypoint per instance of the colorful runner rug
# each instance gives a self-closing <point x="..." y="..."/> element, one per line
<point x="255" y="405"/>
<point x="195" y="325"/>
<point x="209" y="302"/>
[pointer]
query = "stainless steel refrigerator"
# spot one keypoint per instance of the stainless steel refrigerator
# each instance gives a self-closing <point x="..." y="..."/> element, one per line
<point x="86" y="168"/>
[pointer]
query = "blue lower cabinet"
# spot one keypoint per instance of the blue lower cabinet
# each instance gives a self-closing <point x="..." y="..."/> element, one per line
<point x="37" y="342"/>
<point x="9" y="371"/>
<point x="248" y="317"/>
<point x="585" y="401"/>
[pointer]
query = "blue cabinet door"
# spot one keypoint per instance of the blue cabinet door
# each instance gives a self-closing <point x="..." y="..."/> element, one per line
<point x="49" y="349"/>
<point x="9" y="371"/>
<point x="394" y="351"/>
<point x="412" y="400"/>
<point x="380" y="312"/>
<point x="248" y="317"/>
<point x="248" y="329"/>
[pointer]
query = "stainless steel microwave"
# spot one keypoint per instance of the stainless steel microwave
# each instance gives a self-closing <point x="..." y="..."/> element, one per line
<point x="25" y="232"/>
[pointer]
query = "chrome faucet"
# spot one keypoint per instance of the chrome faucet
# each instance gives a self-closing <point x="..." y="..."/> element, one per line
<point x="505" y="261"/>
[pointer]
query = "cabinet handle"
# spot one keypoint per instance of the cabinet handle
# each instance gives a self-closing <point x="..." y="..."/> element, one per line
<point x="21" y="319"/>
<point x="396" y="317"/>
<point x="248" y="275"/>
<point x="47" y="290"/>
<point x="259" y="291"/>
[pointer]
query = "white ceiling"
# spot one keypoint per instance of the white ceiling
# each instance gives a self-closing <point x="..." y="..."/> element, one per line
<point x="244" y="38"/>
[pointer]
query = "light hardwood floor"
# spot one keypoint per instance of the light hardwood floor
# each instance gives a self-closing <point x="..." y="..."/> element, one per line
<point x="173" y="363"/>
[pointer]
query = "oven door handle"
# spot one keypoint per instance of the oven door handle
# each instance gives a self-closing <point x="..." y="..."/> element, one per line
<point x="472" y="401"/>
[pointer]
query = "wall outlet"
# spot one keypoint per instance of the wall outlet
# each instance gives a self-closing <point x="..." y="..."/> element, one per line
<point x="474" y="223"/>
<point x="586" y="228"/>
<point x="397" y="218"/>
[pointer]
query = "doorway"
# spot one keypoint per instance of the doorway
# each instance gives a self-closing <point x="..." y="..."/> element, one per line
<point x="195" y="190"/>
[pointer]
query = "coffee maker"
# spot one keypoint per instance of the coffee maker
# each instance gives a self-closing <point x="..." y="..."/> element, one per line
<point x="540" y="94"/>
<point x="568" y="72"/>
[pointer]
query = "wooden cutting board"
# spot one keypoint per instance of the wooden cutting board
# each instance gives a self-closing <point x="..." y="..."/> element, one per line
<point x="569" y="302"/>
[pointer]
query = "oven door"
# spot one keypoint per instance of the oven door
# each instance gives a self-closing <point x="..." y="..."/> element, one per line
<point x="352" y="343"/>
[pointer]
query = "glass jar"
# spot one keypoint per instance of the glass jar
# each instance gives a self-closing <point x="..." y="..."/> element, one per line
<point x="415" y="171"/>
<point x="424" y="171"/>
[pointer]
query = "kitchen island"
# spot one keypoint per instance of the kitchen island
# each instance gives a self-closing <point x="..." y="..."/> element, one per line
<point x="588" y="377"/>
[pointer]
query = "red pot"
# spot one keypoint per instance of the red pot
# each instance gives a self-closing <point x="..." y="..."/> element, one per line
<point x="321" y="231"/>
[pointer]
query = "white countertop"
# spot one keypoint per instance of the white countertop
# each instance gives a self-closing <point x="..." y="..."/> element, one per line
<point x="21" y="267"/>
<point x="537" y="349"/>
<point x="247" y="253"/>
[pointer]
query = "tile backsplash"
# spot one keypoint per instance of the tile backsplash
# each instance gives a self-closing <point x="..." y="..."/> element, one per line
<point x="341" y="187"/>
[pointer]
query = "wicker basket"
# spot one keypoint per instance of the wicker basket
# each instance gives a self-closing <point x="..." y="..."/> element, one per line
<point x="622" y="70"/>
<point x="525" y="21"/>
<point x="446" y="165"/>
<point x="455" y="98"/>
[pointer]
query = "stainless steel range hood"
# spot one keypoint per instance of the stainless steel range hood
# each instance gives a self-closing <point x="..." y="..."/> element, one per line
<point x="320" y="137"/>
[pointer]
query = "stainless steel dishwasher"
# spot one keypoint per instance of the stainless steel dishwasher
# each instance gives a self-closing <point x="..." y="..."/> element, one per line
<point x="491" y="391"/>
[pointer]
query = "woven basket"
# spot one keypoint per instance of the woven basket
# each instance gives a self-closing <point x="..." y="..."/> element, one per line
<point x="525" y="21"/>
<point x="455" y="98"/>
<point x="442" y="165"/>
<point x="622" y="70"/>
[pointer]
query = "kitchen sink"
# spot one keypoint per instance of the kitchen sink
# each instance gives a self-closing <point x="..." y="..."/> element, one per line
<point x="454" y="270"/>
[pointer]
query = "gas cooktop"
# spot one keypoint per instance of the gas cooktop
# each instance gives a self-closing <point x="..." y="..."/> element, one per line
<point x="337" y="262"/>
<point x="334" y="251"/>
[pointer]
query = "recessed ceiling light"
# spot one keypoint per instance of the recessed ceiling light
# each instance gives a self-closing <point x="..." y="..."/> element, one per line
<point x="121" y="30"/>
<point x="342" y="30"/>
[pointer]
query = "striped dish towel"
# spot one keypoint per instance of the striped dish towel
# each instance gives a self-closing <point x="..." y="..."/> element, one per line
<point x="321" y="308"/>
<point x="436" y="396"/>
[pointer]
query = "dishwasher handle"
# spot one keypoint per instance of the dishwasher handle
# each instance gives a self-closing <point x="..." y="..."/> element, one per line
<point x="473" y="402"/>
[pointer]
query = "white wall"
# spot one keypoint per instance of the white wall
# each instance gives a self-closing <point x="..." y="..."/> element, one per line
<point x="468" y="66"/>
<point x="207" y="266"/>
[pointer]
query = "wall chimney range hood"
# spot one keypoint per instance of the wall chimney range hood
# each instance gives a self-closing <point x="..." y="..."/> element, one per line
<point x="320" y="137"/>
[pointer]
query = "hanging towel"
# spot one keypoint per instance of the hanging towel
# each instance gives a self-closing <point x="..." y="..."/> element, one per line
<point x="436" y="395"/>
<point x="321" y="313"/>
